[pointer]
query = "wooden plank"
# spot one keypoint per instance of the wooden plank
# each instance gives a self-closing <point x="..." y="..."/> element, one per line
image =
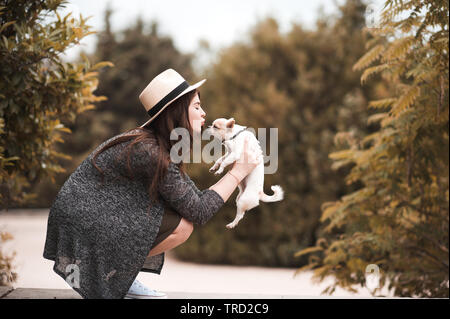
<point x="5" y="290"/>
<point x="202" y="295"/>
<point x="35" y="293"/>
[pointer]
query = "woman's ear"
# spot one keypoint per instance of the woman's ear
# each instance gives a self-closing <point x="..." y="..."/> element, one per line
<point x="230" y="123"/>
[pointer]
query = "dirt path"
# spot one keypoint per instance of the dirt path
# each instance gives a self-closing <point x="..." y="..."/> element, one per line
<point x="29" y="229"/>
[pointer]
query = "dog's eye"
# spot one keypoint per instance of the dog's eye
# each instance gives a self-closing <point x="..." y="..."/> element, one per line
<point x="214" y="126"/>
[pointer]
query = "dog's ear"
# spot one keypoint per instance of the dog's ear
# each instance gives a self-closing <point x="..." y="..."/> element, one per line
<point x="230" y="123"/>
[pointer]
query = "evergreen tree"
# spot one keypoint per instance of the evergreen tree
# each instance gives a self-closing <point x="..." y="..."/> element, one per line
<point x="399" y="218"/>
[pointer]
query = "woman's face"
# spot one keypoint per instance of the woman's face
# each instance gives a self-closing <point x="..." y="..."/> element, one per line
<point x="196" y="114"/>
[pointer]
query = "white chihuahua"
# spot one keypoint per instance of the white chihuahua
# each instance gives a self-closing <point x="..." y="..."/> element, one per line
<point x="251" y="187"/>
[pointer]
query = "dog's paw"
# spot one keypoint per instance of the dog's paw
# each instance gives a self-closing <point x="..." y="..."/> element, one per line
<point x="219" y="171"/>
<point x="231" y="225"/>
<point x="212" y="169"/>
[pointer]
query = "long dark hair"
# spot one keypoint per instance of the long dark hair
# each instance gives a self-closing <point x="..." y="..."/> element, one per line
<point x="157" y="133"/>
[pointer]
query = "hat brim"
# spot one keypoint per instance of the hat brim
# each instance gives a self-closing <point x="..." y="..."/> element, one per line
<point x="190" y="88"/>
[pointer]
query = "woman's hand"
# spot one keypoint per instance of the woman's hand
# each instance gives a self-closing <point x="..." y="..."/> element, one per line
<point x="250" y="158"/>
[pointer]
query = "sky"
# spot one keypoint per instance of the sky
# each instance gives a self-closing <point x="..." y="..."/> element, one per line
<point x="187" y="22"/>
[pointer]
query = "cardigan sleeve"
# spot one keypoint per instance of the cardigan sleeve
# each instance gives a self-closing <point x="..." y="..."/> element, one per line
<point x="177" y="189"/>
<point x="182" y="195"/>
<point x="189" y="180"/>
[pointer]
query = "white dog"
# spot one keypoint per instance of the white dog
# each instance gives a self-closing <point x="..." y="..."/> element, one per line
<point x="251" y="187"/>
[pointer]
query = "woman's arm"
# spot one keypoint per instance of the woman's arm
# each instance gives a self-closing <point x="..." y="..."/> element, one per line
<point x="197" y="208"/>
<point x="224" y="187"/>
<point x="228" y="183"/>
<point x="175" y="189"/>
<point x="248" y="160"/>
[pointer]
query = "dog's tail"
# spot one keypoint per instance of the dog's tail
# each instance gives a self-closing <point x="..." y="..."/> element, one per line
<point x="277" y="196"/>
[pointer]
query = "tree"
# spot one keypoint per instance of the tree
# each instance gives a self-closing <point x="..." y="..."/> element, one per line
<point x="399" y="218"/>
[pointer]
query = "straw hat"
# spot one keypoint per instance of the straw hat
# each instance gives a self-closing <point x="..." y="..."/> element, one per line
<point x="165" y="88"/>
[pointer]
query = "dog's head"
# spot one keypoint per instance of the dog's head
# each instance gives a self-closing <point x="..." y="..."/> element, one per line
<point x="222" y="128"/>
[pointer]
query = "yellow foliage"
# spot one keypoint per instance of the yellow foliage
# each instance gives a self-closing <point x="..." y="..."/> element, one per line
<point x="308" y="251"/>
<point x="406" y="100"/>
<point x="370" y="57"/>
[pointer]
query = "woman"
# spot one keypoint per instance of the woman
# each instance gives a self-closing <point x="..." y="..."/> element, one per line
<point x="128" y="202"/>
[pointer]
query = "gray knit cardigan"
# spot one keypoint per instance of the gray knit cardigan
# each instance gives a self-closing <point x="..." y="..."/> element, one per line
<point x="99" y="235"/>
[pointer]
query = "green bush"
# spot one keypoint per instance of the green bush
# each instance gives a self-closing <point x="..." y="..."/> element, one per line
<point x="38" y="91"/>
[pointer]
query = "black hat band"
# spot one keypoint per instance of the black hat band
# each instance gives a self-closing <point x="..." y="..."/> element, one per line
<point x="169" y="97"/>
